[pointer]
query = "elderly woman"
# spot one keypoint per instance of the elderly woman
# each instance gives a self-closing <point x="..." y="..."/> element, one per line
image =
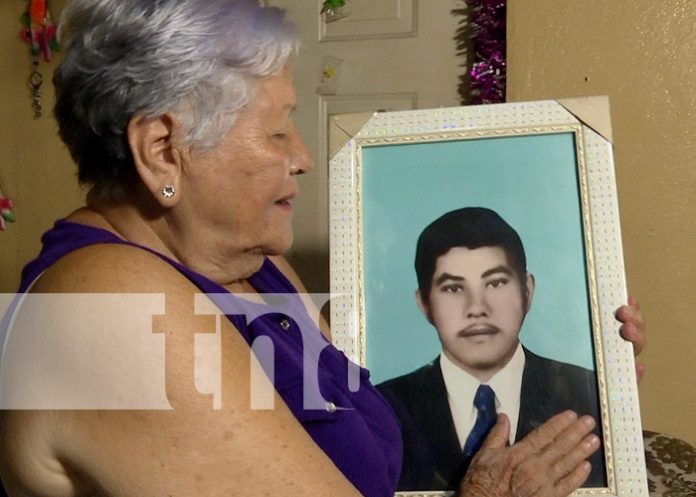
<point x="179" y="116"/>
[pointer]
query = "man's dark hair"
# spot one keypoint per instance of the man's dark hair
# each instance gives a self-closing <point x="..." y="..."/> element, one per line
<point x="470" y="227"/>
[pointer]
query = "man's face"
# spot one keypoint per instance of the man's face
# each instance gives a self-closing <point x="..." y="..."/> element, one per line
<point x="477" y="305"/>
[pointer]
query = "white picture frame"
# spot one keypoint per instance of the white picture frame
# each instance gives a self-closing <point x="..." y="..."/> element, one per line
<point x="403" y="169"/>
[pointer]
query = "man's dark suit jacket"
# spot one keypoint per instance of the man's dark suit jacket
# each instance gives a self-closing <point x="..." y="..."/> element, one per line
<point x="433" y="458"/>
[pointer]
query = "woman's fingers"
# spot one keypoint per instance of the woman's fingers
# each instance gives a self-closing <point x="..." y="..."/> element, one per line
<point x="632" y="332"/>
<point x="554" y="457"/>
<point x="577" y="457"/>
<point x="561" y="488"/>
<point x="499" y="434"/>
<point x="536" y="441"/>
<point x="633" y="324"/>
<point x="490" y="470"/>
<point x="633" y="329"/>
<point x="571" y="445"/>
<point x="572" y="481"/>
<point x="549" y="462"/>
<point x="640" y="370"/>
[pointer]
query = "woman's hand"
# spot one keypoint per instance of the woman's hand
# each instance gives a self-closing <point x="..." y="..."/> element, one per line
<point x="633" y="329"/>
<point x="549" y="462"/>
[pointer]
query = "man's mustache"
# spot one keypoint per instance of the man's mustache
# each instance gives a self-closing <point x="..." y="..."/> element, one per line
<point x="478" y="329"/>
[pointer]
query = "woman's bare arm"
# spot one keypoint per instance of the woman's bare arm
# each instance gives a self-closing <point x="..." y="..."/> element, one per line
<point x="191" y="449"/>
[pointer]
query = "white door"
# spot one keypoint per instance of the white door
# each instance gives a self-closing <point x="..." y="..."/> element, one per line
<point x="396" y="55"/>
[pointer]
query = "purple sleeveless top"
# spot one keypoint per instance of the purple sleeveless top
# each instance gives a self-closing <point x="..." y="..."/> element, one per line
<point x="355" y="427"/>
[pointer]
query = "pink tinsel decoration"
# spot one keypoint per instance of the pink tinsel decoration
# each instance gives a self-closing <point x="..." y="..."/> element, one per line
<point x="488" y="72"/>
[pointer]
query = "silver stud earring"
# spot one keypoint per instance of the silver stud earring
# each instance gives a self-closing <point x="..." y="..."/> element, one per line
<point x="168" y="191"/>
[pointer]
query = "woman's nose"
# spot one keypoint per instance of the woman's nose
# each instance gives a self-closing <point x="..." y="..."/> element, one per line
<point x="302" y="160"/>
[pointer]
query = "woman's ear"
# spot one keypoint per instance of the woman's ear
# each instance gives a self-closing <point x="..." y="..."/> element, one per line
<point x="153" y="142"/>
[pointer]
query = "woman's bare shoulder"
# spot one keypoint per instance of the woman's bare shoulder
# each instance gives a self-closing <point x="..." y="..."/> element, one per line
<point x="109" y="267"/>
<point x="194" y="447"/>
<point x="72" y="347"/>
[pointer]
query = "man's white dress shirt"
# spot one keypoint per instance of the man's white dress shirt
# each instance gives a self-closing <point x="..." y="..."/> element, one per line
<point x="461" y="388"/>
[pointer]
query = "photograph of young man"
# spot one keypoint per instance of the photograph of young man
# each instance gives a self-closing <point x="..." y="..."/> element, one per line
<point x="474" y="288"/>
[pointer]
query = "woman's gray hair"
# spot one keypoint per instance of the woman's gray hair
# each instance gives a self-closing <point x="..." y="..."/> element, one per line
<point x="199" y="59"/>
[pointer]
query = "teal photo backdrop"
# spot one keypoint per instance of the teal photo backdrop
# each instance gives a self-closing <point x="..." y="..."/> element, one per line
<point x="531" y="181"/>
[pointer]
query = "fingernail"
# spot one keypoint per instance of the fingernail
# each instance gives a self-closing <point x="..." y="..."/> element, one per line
<point x="570" y="415"/>
<point x="593" y="441"/>
<point x="588" y="421"/>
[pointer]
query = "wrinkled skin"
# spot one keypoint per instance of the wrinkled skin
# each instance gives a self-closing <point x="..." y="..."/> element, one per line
<point x="549" y="462"/>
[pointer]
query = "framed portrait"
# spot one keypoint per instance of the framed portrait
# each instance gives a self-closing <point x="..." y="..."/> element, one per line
<point x="482" y="245"/>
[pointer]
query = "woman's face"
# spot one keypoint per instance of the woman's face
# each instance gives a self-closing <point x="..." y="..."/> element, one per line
<point x="244" y="188"/>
